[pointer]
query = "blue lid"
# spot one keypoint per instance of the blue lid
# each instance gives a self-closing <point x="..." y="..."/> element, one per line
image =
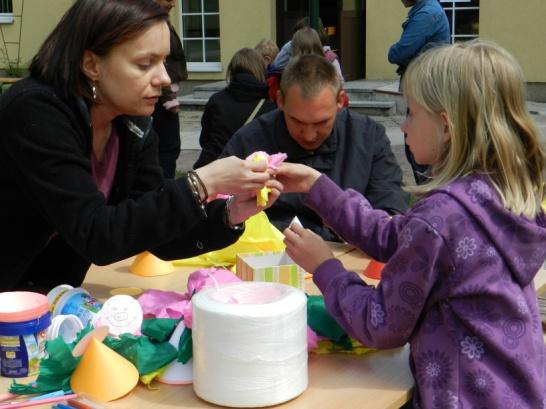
<point x="26" y="327"/>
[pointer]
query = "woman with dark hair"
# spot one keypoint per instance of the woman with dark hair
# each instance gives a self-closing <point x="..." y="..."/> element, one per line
<point x="242" y="100"/>
<point x="78" y="160"/>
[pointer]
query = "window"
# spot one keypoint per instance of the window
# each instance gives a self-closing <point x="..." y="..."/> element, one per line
<point x="201" y="34"/>
<point x="6" y="11"/>
<point x="464" y="18"/>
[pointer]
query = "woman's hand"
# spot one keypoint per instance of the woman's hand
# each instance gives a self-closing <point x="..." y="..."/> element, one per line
<point x="306" y="248"/>
<point x="233" y="176"/>
<point x="296" y="178"/>
<point x="243" y="206"/>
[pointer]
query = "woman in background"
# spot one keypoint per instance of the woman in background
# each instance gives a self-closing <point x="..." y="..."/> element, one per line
<point x="242" y="100"/>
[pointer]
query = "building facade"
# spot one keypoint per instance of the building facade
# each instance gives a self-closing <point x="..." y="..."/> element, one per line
<point x="360" y="30"/>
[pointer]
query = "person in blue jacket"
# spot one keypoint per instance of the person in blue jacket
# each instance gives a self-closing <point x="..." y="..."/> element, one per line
<point x="425" y="27"/>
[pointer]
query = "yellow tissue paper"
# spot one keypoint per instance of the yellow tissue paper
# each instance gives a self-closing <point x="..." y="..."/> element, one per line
<point x="262" y="196"/>
<point x="147" y="379"/>
<point x="328" y="347"/>
<point x="259" y="235"/>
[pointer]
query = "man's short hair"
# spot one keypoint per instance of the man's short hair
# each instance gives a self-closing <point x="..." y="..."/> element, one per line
<point x="312" y="73"/>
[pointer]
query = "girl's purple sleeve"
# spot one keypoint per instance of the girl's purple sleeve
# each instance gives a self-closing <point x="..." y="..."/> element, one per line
<point x="382" y="317"/>
<point x="352" y="217"/>
<point x="385" y="317"/>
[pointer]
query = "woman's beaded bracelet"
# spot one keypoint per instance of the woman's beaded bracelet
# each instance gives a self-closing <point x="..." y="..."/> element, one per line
<point x="195" y="176"/>
<point x="194" y="187"/>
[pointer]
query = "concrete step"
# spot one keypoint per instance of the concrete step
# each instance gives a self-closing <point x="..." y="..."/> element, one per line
<point x="206" y="90"/>
<point x="188" y="101"/>
<point x="390" y="92"/>
<point x="367" y="106"/>
<point x="373" y="107"/>
<point x="358" y="90"/>
<point x="357" y="94"/>
<point x="362" y="97"/>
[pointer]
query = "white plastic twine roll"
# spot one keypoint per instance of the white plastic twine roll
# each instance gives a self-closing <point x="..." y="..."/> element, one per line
<point x="249" y="344"/>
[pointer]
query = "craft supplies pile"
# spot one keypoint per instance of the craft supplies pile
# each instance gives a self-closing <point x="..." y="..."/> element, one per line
<point x="150" y="338"/>
<point x="242" y="339"/>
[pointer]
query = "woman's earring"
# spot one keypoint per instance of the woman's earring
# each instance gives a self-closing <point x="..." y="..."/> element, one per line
<point x="94" y="89"/>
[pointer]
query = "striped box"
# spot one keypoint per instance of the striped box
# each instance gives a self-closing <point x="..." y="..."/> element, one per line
<point x="274" y="267"/>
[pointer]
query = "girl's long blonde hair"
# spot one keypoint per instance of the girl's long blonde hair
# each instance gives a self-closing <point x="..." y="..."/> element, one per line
<point x="481" y="89"/>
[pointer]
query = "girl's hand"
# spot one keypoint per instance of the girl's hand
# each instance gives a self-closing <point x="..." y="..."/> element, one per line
<point x="233" y="176"/>
<point x="243" y="206"/>
<point x="296" y="177"/>
<point x="306" y="248"/>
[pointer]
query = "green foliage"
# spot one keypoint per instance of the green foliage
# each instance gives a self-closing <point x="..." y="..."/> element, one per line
<point x="11" y="67"/>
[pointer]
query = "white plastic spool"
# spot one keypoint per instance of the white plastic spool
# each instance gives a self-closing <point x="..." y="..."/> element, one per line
<point x="249" y="344"/>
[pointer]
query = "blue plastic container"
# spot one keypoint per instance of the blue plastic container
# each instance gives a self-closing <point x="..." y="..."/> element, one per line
<point x="22" y="340"/>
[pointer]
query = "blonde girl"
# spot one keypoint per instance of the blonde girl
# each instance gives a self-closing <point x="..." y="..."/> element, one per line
<point x="458" y="280"/>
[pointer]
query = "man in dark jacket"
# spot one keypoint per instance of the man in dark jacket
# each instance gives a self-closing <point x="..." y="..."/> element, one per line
<point x="311" y="127"/>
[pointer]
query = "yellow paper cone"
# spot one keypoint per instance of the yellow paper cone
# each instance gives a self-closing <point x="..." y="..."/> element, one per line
<point x="103" y="373"/>
<point x="148" y="265"/>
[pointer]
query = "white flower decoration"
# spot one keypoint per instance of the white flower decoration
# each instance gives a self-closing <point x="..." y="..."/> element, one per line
<point x="466" y="248"/>
<point x="472" y="347"/>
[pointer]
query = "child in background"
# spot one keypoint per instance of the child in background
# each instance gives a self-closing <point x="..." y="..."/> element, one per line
<point x="458" y="280"/>
<point x="268" y="50"/>
<point x="307" y="41"/>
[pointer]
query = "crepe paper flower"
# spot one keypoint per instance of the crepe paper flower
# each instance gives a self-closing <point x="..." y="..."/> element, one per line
<point x="163" y="304"/>
<point x="273" y="161"/>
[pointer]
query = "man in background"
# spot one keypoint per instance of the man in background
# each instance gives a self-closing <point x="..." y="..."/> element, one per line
<point x="312" y="128"/>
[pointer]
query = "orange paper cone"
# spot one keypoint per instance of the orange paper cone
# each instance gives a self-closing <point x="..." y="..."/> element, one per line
<point x="373" y="270"/>
<point x="147" y="265"/>
<point x="103" y="374"/>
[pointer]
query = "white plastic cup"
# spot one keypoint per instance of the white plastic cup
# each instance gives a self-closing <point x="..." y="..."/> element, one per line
<point x="65" y="326"/>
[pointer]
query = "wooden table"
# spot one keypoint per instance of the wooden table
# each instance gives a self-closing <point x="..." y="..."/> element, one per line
<point x="377" y="380"/>
<point x="380" y="379"/>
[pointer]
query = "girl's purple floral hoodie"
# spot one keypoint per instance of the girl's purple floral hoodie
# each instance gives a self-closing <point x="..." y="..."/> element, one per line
<point x="458" y="286"/>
